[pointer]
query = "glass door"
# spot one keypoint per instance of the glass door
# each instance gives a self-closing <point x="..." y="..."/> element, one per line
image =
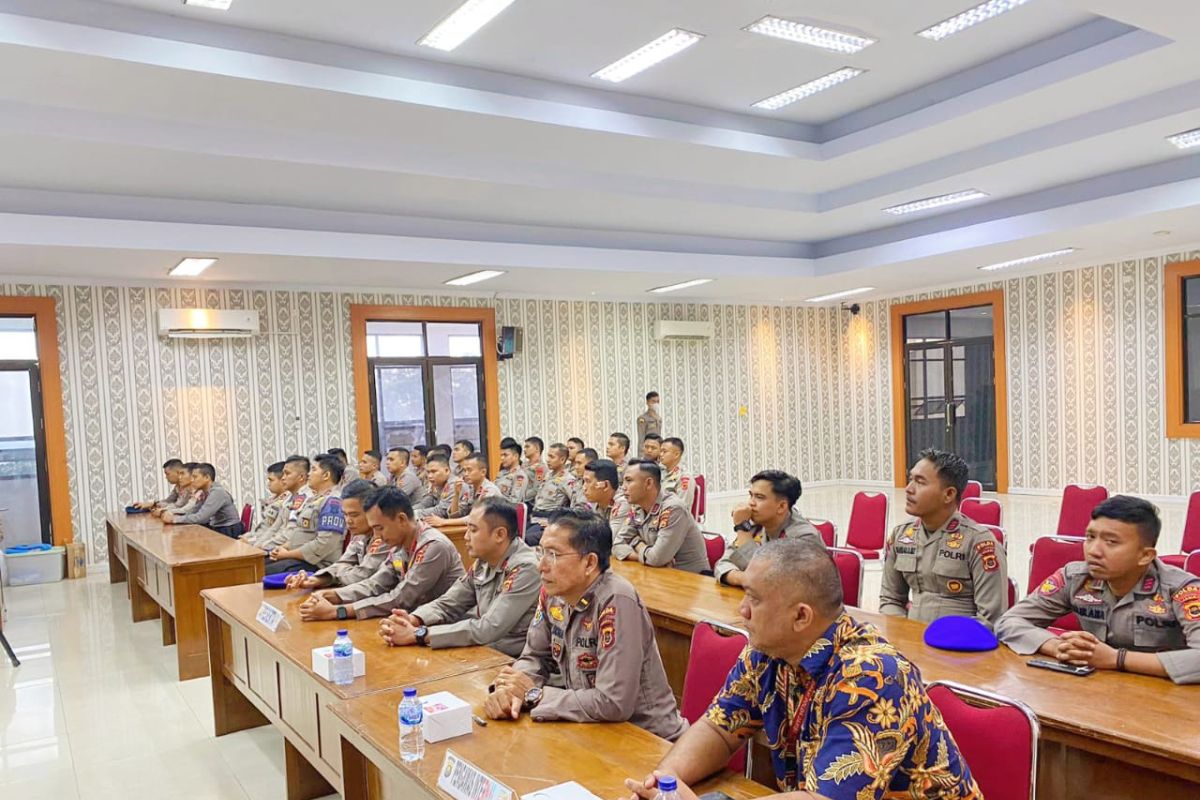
<point x="398" y="405"/>
<point x="24" y="487"/>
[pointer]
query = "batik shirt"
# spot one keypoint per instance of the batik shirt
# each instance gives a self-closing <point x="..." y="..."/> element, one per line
<point x="866" y="728"/>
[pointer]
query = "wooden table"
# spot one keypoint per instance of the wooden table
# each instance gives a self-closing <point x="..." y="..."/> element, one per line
<point x="166" y="567"/>
<point x="260" y="677"/>
<point x="523" y="755"/>
<point x="456" y="532"/>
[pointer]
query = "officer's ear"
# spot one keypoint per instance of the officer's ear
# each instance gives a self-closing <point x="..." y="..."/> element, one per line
<point x="804" y="616"/>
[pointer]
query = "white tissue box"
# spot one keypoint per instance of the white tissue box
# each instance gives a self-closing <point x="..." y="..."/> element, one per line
<point x="446" y="716"/>
<point x="322" y="662"/>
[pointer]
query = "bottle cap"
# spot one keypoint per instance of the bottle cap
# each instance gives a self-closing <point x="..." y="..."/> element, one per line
<point x="666" y="784"/>
<point x="342" y="632"/>
<point x="410" y="691"/>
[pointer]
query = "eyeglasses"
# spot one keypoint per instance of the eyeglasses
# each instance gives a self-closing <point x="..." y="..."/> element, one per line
<point x="551" y="556"/>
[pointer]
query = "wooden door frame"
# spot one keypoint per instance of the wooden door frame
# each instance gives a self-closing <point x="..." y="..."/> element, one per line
<point x="485" y="317"/>
<point x="994" y="298"/>
<point x="44" y="313"/>
<point x="1173" y="277"/>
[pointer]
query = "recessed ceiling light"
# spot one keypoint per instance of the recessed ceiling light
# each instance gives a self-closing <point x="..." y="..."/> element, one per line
<point x="674" y="287"/>
<point x="775" y="102"/>
<point x="970" y="18"/>
<point x="191" y="267"/>
<point x="1162" y="233"/>
<point x="671" y="43"/>
<point x="816" y="36"/>
<point x="1020" y="262"/>
<point x="1186" y="139"/>
<point x="220" y="5"/>
<point x="935" y="202"/>
<point x="462" y="23"/>
<point x="839" y="295"/>
<point x="475" y="277"/>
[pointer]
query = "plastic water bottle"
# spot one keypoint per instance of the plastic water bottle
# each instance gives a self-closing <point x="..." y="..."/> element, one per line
<point x="666" y="789"/>
<point x="412" y="735"/>
<point x="343" y="659"/>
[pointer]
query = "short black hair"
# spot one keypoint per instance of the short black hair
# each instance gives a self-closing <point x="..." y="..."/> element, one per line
<point x="537" y="441"/>
<point x="375" y="454"/>
<point x="401" y="450"/>
<point x="191" y="465"/>
<point x="589" y="533"/>
<point x="358" y="489"/>
<point x="577" y="441"/>
<point x="650" y="468"/>
<point x="340" y="453"/>
<point x="438" y="458"/>
<point x="444" y="449"/>
<point x="275" y="469"/>
<point x="302" y="460"/>
<point x="171" y="463"/>
<point x="512" y="447"/>
<point x="207" y="470"/>
<point x="782" y="484"/>
<point x="622" y="438"/>
<point x="951" y="469"/>
<point x="656" y="437"/>
<point x="675" y="440"/>
<point x="1134" y="510"/>
<point x="589" y="453"/>
<point x="604" y="470"/>
<point x="390" y="501"/>
<point x="560" y="448"/>
<point x="479" y="458"/>
<point x="500" y="514"/>
<point x="650" y="396"/>
<point x="331" y="463"/>
<point x="507" y="441"/>
<point x="467" y="443"/>
<point x="420" y="448"/>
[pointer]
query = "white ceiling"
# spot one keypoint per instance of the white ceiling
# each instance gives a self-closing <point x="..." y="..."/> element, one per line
<point x="291" y="136"/>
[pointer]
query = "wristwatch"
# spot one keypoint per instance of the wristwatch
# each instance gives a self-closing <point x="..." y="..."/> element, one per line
<point x="533" y="697"/>
<point x="421" y="634"/>
<point x="343" y="612"/>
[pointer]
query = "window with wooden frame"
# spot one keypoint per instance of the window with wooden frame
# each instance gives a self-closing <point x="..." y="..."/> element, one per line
<point x="1181" y="314"/>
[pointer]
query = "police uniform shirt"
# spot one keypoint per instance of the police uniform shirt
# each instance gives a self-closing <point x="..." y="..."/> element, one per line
<point x="189" y="500"/>
<point x="215" y="509"/>
<point x="488" y="605"/>
<point x="958" y="569"/>
<point x="411" y="484"/>
<point x="271" y="521"/>
<point x="379" y="478"/>
<point x="170" y="499"/>
<point x="365" y="554"/>
<point x="605" y="651"/>
<point x="407" y="578"/>
<point x="319" y="529"/>
<point x="514" y="484"/>
<point x="649" y="421"/>
<point x="796" y="526"/>
<point x="442" y="499"/>
<point x="350" y="473"/>
<point x="555" y="493"/>
<point x="671" y="536"/>
<point x="536" y="471"/>
<point x="1160" y="615"/>
<point x="485" y="489"/>
<point x="675" y="482"/>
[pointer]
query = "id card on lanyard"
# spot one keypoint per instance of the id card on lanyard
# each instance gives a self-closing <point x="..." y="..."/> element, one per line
<point x="798" y="715"/>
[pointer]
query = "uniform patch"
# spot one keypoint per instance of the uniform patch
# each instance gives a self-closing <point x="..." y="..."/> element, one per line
<point x="665" y="518"/>
<point x="955" y="540"/>
<point x="1189" y="599"/>
<point x="1148" y="583"/>
<point x="419" y="556"/>
<point x="954" y="587"/>
<point x="683" y="482"/>
<point x="1157" y="605"/>
<point x="1053" y="584"/>
<point x="377" y="544"/>
<point x="1088" y="599"/>
<point x="987" y="553"/>
<point x="556" y="613"/>
<point x="556" y="649"/>
<point x="608" y="627"/>
<point x="587" y="661"/>
<point x="953" y="526"/>
<point x="540" y="615"/>
<point x="588" y="623"/>
<point x="509" y="578"/>
<point x="907" y="537"/>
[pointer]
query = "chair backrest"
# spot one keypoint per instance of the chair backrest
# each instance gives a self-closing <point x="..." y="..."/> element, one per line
<point x="985" y="512"/>
<point x="1192" y="564"/>
<point x="985" y="725"/>
<point x="974" y="489"/>
<point x="850" y="568"/>
<point x="1050" y="553"/>
<point x="247" y="515"/>
<point x="522" y="513"/>
<point x="699" y="499"/>
<point x="868" y="520"/>
<point x="998" y="532"/>
<point x="714" y="543"/>
<point x="828" y="531"/>
<point x="1076" y="510"/>
<point x="1014" y="593"/>
<point x="713" y="654"/>
<point x="1191" y="524"/>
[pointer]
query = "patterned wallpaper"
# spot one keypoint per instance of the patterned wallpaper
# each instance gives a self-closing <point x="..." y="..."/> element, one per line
<point x="1085" y="384"/>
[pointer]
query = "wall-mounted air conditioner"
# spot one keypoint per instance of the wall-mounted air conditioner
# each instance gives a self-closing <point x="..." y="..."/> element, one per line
<point x="679" y="331"/>
<point x="205" y="323"/>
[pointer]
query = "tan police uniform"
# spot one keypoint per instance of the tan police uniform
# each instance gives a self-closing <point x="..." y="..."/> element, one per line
<point x="556" y="493"/>
<point x="350" y="473"/>
<point x="796" y="526"/>
<point x="407" y="579"/>
<point x="320" y="544"/>
<point x="536" y="472"/>
<point x="649" y="421"/>
<point x="605" y="650"/>
<point x="514" y="484"/>
<point x="675" y="482"/>
<point x="442" y="498"/>
<point x="267" y="533"/>
<point x="672" y="537"/>
<point x="1161" y="615"/>
<point x="488" y="605"/>
<point x="380" y="478"/>
<point x="365" y="554"/>
<point x="959" y="569"/>
<point x="485" y="489"/>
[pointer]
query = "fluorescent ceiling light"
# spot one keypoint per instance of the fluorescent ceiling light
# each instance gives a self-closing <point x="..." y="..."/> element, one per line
<point x="839" y="295"/>
<point x="220" y="5"/>
<point x="463" y="23"/>
<point x="475" y="277"/>
<point x="191" y="267"/>
<point x="671" y="43"/>
<point x="674" y="287"/>
<point x="970" y="18"/>
<point x="824" y="38"/>
<point x="1018" y="262"/>
<point x="782" y="99"/>
<point x="935" y="202"/>
<point x="1186" y="139"/>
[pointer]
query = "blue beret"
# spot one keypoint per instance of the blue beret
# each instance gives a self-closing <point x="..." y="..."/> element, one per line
<point x="960" y="633"/>
<point x="276" y="581"/>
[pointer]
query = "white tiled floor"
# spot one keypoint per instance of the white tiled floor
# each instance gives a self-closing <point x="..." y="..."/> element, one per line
<point x="95" y="710"/>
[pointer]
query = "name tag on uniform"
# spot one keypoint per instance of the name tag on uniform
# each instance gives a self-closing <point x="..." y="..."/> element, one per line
<point x="462" y="780"/>
<point x="270" y="617"/>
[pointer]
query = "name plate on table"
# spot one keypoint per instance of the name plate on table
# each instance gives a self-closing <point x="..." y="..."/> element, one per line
<point x="462" y="780"/>
<point x="270" y="617"/>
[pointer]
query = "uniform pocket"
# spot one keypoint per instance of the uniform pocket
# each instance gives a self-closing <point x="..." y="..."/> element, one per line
<point x="953" y="577"/>
<point x="906" y="562"/>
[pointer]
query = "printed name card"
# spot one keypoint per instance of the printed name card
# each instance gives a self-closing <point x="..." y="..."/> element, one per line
<point x="269" y="617"/>
<point x="462" y="780"/>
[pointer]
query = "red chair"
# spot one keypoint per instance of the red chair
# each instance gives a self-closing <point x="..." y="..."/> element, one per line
<point x="1191" y="533"/>
<point x="1192" y="564"/>
<point x="850" y="567"/>
<point x="1013" y="592"/>
<point x="974" y="489"/>
<point x="714" y="543"/>
<point x="522" y="516"/>
<point x="1076" y="510"/>
<point x="1050" y="553"/>
<point x="828" y="531"/>
<point x="247" y="516"/>
<point x="998" y="532"/>
<point x="985" y="512"/>
<point x="984" y="725"/>
<point x="867" y="529"/>
<point x="713" y="654"/>
<point x="700" y="499"/>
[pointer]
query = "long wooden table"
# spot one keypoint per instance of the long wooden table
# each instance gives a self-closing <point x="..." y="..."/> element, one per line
<point x="523" y="755"/>
<point x="167" y="566"/>
<point x="260" y="678"/>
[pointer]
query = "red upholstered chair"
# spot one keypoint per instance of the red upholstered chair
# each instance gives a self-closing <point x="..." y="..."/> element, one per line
<point x="996" y="735"/>
<point x="1191" y="532"/>
<point x="867" y="529"/>
<point x="974" y="489"/>
<point x="1014" y="593"/>
<point x="247" y="516"/>
<point x="985" y="512"/>
<point x="1076" y="510"/>
<point x="714" y="543"/>
<point x="715" y="650"/>
<point x="998" y="532"/>
<point x="850" y="568"/>
<point x="1192" y="563"/>
<point x="700" y="499"/>
<point x="828" y="531"/>
<point x="1050" y="553"/>
<point x="522" y="516"/>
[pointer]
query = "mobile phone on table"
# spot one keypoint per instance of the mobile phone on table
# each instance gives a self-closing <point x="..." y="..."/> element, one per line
<point x="1082" y="670"/>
